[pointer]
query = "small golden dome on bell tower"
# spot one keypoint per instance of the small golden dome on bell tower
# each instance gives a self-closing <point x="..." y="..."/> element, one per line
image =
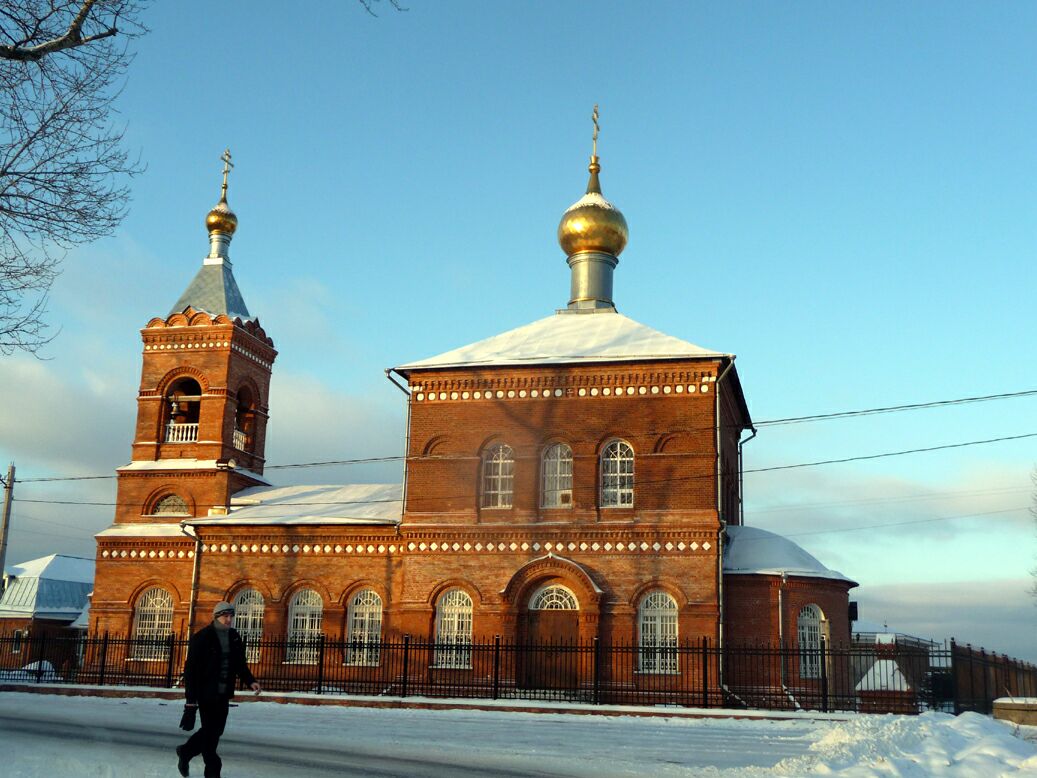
<point x="592" y="223"/>
<point x="221" y="218"/>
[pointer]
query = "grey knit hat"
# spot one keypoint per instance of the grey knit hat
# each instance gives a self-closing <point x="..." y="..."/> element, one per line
<point x="222" y="607"/>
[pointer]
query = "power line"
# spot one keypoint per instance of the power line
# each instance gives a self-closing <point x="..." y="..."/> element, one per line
<point x="710" y="475"/>
<point x="766" y="423"/>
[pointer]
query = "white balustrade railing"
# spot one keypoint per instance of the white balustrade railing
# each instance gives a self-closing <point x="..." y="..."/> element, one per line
<point x="240" y="440"/>
<point x="181" y="433"/>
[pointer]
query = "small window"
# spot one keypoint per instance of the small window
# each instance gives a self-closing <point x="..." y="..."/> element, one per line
<point x="553" y="598"/>
<point x="365" y="629"/>
<point x="305" y="615"/>
<point x="556" y="477"/>
<point x="454" y="630"/>
<point x="152" y="625"/>
<point x="809" y="626"/>
<point x="617" y="475"/>
<point x="657" y="628"/>
<point x="171" y="505"/>
<point x="498" y="476"/>
<point x="16" y="644"/>
<point x="248" y="621"/>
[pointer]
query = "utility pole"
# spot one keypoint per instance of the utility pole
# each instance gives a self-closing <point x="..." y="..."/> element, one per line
<point x="5" y="523"/>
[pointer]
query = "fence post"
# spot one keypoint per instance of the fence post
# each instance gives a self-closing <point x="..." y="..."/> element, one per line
<point x="104" y="658"/>
<point x="41" y="645"/>
<point x="596" y="647"/>
<point x="824" y="676"/>
<point x="705" y="671"/>
<point x="954" y="678"/>
<point x="406" y="664"/>
<point x="496" y="666"/>
<point x="985" y="669"/>
<point x="320" y="664"/>
<point x="169" y="661"/>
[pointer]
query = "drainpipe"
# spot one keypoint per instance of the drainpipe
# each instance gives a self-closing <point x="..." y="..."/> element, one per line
<point x="406" y="443"/>
<point x="781" y="622"/>
<point x="741" y="476"/>
<point x="723" y="526"/>
<point x="194" y="575"/>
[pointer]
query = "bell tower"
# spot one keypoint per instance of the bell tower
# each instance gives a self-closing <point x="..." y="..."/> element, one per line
<point x="204" y="394"/>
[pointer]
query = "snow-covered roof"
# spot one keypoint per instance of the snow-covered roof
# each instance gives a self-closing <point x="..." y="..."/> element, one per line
<point x="754" y="551"/>
<point x="54" y="586"/>
<point x="184" y="464"/>
<point x="569" y="337"/>
<point x="336" y="504"/>
<point x="884" y="675"/>
<point x="146" y="530"/>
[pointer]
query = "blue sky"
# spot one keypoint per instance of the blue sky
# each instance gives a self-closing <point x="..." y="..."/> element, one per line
<point x="841" y="194"/>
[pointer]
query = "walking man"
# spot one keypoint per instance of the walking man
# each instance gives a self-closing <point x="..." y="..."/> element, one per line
<point x="215" y="661"/>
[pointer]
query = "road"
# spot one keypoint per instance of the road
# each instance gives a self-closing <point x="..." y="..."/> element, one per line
<point x="42" y="735"/>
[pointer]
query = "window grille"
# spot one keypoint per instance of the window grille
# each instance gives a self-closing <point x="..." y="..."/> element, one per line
<point x="172" y="504"/>
<point x="365" y="629"/>
<point x="454" y="630"/>
<point x="554" y="598"/>
<point x="556" y="477"/>
<point x="248" y="621"/>
<point x="498" y="476"/>
<point x="808" y="631"/>
<point x="152" y="624"/>
<point x="305" y="615"/>
<point x="657" y="628"/>
<point x="617" y="475"/>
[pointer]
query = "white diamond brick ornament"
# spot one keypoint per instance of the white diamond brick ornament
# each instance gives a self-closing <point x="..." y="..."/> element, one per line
<point x="694" y="546"/>
<point x="669" y="546"/>
<point x="706" y="546"/>
<point x="656" y="546"/>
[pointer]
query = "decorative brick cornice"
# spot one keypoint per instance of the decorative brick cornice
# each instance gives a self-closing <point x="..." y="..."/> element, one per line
<point x="677" y="383"/>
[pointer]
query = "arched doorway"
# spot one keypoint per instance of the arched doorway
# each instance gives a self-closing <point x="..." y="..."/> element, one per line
<point x="552" y="659"/>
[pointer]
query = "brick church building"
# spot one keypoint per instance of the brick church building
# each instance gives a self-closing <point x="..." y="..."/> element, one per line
<point x="575" y="478"/>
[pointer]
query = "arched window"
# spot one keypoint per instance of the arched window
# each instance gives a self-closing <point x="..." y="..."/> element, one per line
<point x="171" y="505"/>
<point x="184" y="404"/>
<point x="498" y="476"/>
<point x="556" y="477"/>
<point x="617" y="475"/>
<point x="305" y="614"/>
<point x="365" y="629"/>
<point x="248" y="621"/>
<point x="152" y="624"/>
<point x="454" y="630"/>
<point x="244" y="420"/>
<point x="657" y="631"/>
<point x="554" y="598"/>
<point x="809" y="630"/>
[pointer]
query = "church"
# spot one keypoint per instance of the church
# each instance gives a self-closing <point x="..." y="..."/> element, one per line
<point x="575" y="479"/>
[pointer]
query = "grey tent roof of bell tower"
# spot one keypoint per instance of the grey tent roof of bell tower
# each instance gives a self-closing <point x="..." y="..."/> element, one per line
<point x="214" y="291"/>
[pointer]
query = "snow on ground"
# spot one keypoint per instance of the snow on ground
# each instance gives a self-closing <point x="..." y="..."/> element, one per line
<point x="42" y="735"/>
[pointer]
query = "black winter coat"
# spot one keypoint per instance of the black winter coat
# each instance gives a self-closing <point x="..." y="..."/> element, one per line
<point x="202" y="671"/>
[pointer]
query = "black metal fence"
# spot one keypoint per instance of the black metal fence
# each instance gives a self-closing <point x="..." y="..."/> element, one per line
<point x="853" y="677"/>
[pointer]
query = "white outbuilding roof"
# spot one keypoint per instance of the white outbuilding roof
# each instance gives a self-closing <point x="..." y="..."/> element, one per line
<point x="754" y="551"/>
<point x="336" y="504"/>
<point x="569" y="337"/>
<point x="53" y="587"/>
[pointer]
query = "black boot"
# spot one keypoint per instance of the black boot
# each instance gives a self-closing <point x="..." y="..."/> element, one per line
<point x="183" y="763"/>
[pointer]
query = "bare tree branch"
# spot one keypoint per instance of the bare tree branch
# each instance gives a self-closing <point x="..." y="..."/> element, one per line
<point x="63" y="168"/>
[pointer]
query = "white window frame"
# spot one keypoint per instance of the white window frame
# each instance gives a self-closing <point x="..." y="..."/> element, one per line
<point x="365" y="629"/>
<point x="305" y="617"/>
<point x="809" y="629"/>
<point x="554" y="597"/>
<point x="657" y="634"/>
<point x="249" y="607"/>
<point x="556" y="477"/>
<point x="498" y="476"/>
<point x="617" y="475"/>
<point x="454" y="630"/>
<point x="152" y="625"/>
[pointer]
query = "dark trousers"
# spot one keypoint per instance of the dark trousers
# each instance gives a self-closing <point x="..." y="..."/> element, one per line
<point x="213" y="714"/>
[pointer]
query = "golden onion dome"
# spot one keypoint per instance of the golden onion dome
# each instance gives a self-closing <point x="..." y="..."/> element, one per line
<point x="221" y="219"/>
<point x="592" y="223"/>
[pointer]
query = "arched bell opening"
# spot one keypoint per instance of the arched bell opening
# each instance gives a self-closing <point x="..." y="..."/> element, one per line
<point x="245" y="420"/>
<point x="183" y="408"/>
